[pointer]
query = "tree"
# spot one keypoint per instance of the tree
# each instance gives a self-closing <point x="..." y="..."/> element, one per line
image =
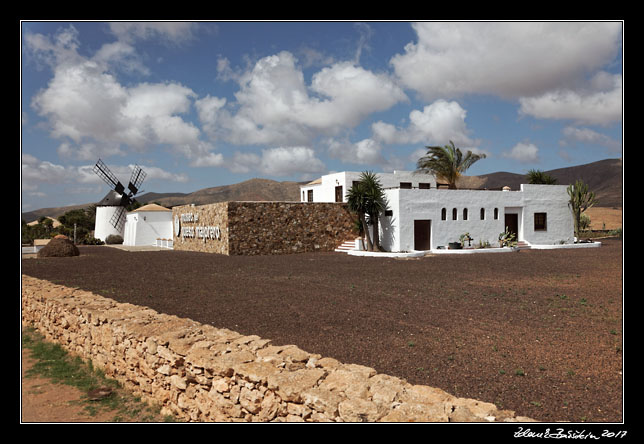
<point x="447" y="162"/>
<point x="580" y="200"/>
<point x="367" y="198"/>
<point x="537" y="177"/>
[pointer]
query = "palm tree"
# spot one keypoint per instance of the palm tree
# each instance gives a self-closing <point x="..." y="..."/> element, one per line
<point x="539" y="177"/>
<point x="367" y="198"/>
<point x="447" y="162"/>
<point x="580" y="200"/>
<point x="357" y="201"/>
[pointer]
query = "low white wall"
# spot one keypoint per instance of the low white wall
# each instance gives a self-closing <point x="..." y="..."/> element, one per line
<point x="397" y="231"/>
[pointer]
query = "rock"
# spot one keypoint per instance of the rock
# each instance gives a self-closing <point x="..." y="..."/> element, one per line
<point x="289" y="385"/>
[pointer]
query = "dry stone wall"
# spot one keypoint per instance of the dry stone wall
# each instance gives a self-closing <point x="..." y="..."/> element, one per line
<point x="197" y="372"/>
<point x="252" y="228"/>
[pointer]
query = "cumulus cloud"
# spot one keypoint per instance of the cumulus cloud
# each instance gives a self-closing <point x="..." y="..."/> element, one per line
<point x="599" y="103"/>
<point x="523" y="152"/>
<point x="94" y="114"/>
<point x="36" y="172"/>
<point x="437" y="123"/>
<point x="280" y="161"/>
<point x="167" y="32"/>
<point x="275" y="106"/>
<point x="508" y="59"/>
<point x="573" y="135"/>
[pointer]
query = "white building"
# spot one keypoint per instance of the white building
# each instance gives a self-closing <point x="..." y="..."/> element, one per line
<point x="424" y="217"/>
<point x="147" y="224"/>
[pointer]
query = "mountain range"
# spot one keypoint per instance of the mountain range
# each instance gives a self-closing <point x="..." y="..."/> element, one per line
<point x="604" y="178"/>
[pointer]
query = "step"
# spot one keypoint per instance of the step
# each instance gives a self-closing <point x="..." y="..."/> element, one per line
<point x="521" y="245"/>
<point x="347" y="246"/>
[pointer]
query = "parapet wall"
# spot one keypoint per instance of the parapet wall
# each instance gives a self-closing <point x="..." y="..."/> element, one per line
<point x="251" y="228"/>
<point x="197" y="372"/>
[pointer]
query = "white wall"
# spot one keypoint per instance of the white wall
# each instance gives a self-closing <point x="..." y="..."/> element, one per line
<point x="325" y="191"/>
<point x="144" y="227"/>
<point x="397" y="231"/>
<point x="103" y="227"/>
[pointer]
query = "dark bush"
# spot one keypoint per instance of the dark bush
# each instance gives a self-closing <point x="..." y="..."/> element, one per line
<point x="59" y="247"/>
<point x="114" y="239"/>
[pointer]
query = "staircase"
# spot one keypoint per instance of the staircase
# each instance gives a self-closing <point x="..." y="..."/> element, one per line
<point x="522" y="245"/>
<point x="347" y="246"/>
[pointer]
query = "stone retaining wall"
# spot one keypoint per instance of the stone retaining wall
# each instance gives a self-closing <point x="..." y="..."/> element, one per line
<point x="250" y="228"/>
<point x="201" y="373"/>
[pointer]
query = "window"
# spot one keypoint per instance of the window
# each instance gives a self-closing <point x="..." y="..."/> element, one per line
<point x="464" y="213"/>
<point x="496" y="213"/>
<point x="423" y="186"/>
<point x="389" y="213"/>
<point x="454" y="213"/>
<point x="444" y="214"/>
<point x="482" y="213"/>
<point x="540" y="220"/>
<point x="405" y="185"/>
<point x="310" y="195"/>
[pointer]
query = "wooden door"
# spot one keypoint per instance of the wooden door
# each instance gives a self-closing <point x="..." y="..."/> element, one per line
<point x="422" y="234"/>
<point x="338" y="194"/>
<point x="512" y="223"/>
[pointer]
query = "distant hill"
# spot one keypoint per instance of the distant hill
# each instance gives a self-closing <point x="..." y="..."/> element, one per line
<point x="250" y="190"/>
<point x="603" y="177"/>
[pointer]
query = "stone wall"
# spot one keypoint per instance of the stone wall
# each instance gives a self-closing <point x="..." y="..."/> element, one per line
<point x="250" y="228"/>
<point x="197" y="372"/>
<point x="287" y="227"/>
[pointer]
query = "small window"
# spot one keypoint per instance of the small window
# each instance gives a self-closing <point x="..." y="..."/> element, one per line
<point x="540" y="221"/>
<point x="405" y="185"/>
<point x="464" y="213"/>
<point x="310" y="195"/>
<point x="389" y="213"/>
<point x="454" y="213"/>
<point x="444" y="214"/>
<point x="482" y="213"/>
<point x="424" y="186"/>
<point x="496" y="214"/>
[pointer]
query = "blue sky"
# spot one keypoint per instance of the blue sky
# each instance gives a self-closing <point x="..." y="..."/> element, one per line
<point x="203" y="104"/>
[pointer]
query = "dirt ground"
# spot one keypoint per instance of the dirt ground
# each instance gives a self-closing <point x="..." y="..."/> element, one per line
<point x="604" y="218"/>
<point x="44" y="401"/>
<point x="535" y="331"/>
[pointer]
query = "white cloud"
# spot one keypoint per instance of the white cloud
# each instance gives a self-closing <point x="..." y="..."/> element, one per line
<point x="523" y="152"/>
<point x="167" y="32"/>
<point x="437" y="124"/>
<point x="364" y="152"/>
<point x="286" y="161"/>
<point x="508" y="59"/>
<point x="280" y="161"/>
<point x="274" y="105"/>
<point x="598" y="104"/>
<point x="574" y="135"/>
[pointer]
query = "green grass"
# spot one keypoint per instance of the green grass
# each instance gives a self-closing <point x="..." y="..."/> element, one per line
<point x="54" y="363"/>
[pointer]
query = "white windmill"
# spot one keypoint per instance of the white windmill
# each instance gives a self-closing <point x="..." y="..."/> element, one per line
<point x="110" y="211"/>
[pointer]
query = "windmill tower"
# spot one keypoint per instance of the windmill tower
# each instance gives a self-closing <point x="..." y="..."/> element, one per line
<point x="110" y="211"/>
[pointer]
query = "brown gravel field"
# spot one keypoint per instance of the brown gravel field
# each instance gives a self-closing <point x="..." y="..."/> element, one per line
<point x="535" y="331"/>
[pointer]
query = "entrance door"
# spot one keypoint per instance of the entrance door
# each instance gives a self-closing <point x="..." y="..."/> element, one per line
<point x="422" y="234"/>
<point x="338" y="194"/>
<point x="512" y="223"/>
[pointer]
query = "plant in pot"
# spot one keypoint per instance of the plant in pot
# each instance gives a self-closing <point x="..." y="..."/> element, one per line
<point x="507" y="239"/>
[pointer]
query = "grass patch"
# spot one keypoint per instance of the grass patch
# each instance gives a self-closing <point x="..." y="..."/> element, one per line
<point x="54" y="363"/>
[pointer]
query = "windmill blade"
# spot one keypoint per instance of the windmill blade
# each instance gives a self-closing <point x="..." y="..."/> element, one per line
<point x="136" y="180"/>
<point x="104" y="173"/>
<point x="117" y="220"/>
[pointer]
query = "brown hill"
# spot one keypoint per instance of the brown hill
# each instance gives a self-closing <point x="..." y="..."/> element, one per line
<point x="604" y="178"/>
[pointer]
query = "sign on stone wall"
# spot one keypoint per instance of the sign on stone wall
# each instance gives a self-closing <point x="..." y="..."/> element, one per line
<point x="186" y="226"/>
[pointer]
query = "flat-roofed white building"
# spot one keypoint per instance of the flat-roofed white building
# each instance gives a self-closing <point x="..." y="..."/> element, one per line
<point x="147" y="224"/>
<point x="422" y="215"/>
